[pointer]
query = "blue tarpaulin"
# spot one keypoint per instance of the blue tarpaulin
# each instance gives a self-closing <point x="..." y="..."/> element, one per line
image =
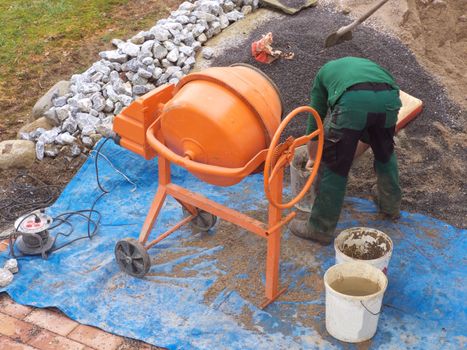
<point x="191" y="300"/>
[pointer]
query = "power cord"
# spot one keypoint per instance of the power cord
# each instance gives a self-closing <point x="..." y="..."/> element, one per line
<point x="27" y="193"/>
<point x="64" y="218"/>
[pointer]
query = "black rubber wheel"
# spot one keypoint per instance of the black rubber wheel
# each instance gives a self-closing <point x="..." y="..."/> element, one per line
<point x="131" y="257"/>
<point x="203" y="221"/>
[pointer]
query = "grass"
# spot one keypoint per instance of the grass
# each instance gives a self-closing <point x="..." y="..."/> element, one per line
<point x="30" y="27"/>
<point x="44" y="41"/>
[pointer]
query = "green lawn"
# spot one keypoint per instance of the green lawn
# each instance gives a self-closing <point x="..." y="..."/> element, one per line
<point x="44" y="41"/>
<point x="28" y="27"/>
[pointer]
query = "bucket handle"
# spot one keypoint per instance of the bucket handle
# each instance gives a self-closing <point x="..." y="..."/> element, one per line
<point x="371" y="312"/>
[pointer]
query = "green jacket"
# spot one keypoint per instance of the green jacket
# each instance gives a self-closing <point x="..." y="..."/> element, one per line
<point x="336" y="76"/>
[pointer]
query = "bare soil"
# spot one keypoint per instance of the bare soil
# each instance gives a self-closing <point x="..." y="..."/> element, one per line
<point x="435" y="31"/>
<point x="23" y="190"/>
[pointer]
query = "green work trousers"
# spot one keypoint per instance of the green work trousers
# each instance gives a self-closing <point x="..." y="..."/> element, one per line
<point x="368" y="116"/>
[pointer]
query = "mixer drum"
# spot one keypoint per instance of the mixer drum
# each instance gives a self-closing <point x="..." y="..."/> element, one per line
<point x="222" y="116"/>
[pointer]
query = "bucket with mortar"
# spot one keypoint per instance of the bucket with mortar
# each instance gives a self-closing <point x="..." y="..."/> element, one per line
<point x="354" y="295"/>
<point x="364" y="244"/>
<point x="299" y="174"/>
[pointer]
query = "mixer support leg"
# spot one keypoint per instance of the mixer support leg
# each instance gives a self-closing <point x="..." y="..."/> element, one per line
<point x="156" y="206"/>
<point x="164" y="179"/>
<point x="274" y="243"/>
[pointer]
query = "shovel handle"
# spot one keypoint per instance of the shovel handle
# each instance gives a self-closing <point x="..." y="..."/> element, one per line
<point x="361" y="19"/>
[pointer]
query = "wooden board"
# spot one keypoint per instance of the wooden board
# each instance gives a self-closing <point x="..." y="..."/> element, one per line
<point x="411" y="108"/>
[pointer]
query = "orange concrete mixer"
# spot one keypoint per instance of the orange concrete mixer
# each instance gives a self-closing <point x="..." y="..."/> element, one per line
<point x="221" y="124"/>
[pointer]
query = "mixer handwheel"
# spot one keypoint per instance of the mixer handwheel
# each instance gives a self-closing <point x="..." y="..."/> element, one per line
<point x="280" y="155"/>
<point x="203" y="220"/>
<point x="132" y="257"/>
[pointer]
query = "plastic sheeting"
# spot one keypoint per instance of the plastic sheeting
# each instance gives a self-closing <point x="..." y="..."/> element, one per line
<point x="425" y="299"/>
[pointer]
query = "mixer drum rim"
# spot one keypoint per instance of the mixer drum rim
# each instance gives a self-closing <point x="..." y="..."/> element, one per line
<point x="273" y="84"/>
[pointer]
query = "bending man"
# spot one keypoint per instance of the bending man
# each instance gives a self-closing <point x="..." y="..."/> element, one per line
<point x="363" y="99"/>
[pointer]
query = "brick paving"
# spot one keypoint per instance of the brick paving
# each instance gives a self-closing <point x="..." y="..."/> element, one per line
<point x="28" y="328"/>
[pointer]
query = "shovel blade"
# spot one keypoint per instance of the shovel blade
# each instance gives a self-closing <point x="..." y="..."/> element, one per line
<point x="335" y="39"/>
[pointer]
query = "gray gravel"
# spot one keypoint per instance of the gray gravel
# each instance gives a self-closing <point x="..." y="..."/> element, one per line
<point x="433" y="173"/>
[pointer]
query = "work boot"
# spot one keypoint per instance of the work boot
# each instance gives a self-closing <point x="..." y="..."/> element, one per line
<point x="390" y="216"/>
<point x="394" y="216"/>
<point x="301" y="228"/>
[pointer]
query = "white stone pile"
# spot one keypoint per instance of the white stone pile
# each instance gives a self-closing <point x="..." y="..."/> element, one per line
<point x="7" y="272"/>
<point x="163" y="54"/>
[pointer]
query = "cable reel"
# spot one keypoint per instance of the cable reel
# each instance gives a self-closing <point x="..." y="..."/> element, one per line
<point x="32" y="235"/>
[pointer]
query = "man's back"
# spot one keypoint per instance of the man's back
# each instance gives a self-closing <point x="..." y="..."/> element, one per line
<point x="338" y="75"/>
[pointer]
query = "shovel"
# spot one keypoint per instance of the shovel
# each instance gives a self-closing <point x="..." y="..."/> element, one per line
<point x="345" y="33"/>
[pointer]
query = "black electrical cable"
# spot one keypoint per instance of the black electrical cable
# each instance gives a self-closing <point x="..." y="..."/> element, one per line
<point x="67" y="234"/>
<point x="90" y="211"/>
<point x="63" y="218"/>
<point x="26" y="196"/>
<point x="98" y="152"/>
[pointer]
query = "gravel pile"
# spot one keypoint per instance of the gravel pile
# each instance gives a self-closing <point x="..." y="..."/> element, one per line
<point x="163" y="54"/>
<point x="431" y="149"/>
<point x="305" y="33"/>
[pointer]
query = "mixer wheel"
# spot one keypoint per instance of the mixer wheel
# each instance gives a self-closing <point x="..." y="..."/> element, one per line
<point x="132" y="257"/>
<point x="203" y="221"/>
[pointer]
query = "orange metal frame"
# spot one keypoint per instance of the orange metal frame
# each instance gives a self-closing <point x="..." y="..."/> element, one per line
<point x="190" y="200"/>
<point x="275" y="159"/>
<point x="139" y="126"/>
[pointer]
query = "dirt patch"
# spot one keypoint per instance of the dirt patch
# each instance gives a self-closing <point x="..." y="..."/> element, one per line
<point x="431" y="150"/>
<point x="436" y="32"/>
<point x="242" y="262"/>
<point x="24" y="190"/>
<point x="132" y="344"/>
<point x="242" y="259"/>
<point x="246" y="318"/>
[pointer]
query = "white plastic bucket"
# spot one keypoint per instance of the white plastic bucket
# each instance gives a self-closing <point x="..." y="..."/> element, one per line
<point x="351" y="317"/>
<point x="360" y="243"/>
<point x="298" y="176"/>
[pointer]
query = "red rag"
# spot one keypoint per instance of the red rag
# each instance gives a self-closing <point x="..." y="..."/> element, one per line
<point x="259" y="54"/>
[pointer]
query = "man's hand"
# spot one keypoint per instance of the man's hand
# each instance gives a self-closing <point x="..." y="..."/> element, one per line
<point x="311" y="148"/>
